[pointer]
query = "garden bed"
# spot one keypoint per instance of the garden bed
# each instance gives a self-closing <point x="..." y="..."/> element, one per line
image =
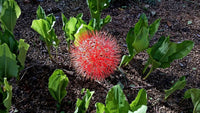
<point x="180" y="19"/>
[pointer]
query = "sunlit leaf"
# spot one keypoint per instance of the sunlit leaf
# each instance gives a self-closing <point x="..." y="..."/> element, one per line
<point x="57" y="85"/>
<point x="116" y="101"/>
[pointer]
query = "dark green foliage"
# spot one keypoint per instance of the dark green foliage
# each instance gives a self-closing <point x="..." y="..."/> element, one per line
<point x="164" y="52"/>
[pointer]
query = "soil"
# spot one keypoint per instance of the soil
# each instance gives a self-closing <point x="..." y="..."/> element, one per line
<point x="180" y="21"/>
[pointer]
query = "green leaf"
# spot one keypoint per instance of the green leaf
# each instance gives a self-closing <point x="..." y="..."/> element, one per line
<point x="8" y="63"/>
<point x="182" y="50"/>
<point x="8" y="38"/>
<point x="40" y="13"/>
<point x="23" y="48"/>
<point x="8" y="100"/>
<point x="140" y="100"/>
<point x="194" y="94"/>
<point x="82" y="105"/>
<point x="70" y="28"/>
<point x="164" y="52"/>
<point x="100" y="108"/>
<point x="41" y="26"/>
<point x="57" y="84"/>
<point x="46" y="30"/>
<point x="153" y="28"/>
<point x="9" y="14"/>
<point x="180" y="84"/>
<point x="116" y="101"/>
<point x="141" y="40"/>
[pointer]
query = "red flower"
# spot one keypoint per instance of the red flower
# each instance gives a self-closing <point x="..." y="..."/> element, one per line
<point x="95" y="55"/>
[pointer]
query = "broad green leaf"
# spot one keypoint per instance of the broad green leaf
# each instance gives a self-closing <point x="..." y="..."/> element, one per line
<point x="141" y="40"/>
<point x="46" y="31"/>
<point x="165" y="51"/>
<point x="8" y="63"/>
<point x="70" y="28"/>
<point x="8" y="100"/>
<point x="116" y="101"/>
<point x="194" y="94"/>
<point x="180" y="84"/>
<point x="140" y="100"/>
<point x="82" y="105"/>
<point x="57" y="85"/>
<point x="8" y="38"/>
<point x="153" y="28"/>
<point x="182" y="50"/>
<point x="40" y="13"/>
<point x="23" y="48"/>
<point x="100" y="108"/>
<point x="41" y="26"/>
<point x="9" y="14"/>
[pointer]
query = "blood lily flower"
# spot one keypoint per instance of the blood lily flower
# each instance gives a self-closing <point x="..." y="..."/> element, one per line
<point x="95" y="55"/>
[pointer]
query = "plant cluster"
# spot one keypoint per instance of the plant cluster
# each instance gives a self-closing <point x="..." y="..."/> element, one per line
<point x="12" y="51"/>
<point x="161" y="54"/>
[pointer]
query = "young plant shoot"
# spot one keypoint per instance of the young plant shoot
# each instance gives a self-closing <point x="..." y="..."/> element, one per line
<point x="44" y="26"/>
<point x="138" y="38"/>
<point x="57" y="85"/>
<point x="82" y="105"/>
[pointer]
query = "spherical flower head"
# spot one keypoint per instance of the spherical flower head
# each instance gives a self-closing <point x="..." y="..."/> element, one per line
<point x="95" y="55"/>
